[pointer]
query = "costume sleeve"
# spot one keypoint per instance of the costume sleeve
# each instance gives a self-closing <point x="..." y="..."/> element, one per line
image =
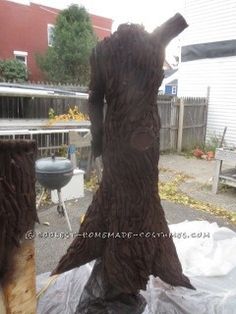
<point x="96" y="102"/>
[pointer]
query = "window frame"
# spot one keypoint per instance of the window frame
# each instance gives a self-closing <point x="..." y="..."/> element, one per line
<point x="24" y="54"/>
<point x="49" y="28"/>
<point x="174" y="90"/>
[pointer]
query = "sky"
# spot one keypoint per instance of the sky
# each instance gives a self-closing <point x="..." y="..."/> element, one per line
<point x="150" y="13"/>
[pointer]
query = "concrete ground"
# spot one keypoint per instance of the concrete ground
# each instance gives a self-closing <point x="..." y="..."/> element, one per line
<point x="50" y="245"/>
<point x="199" y="183"/>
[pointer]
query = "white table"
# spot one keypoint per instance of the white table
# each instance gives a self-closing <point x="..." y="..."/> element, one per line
<point x="228" y="176"/>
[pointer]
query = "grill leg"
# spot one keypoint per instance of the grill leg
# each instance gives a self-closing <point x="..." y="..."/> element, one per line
<point x="62" y="203"/>
<point x="40" y="198"/>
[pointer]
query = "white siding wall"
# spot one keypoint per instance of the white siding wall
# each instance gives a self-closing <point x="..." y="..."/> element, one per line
<point x="211" y="20"/>
<point x="220" y="75"/>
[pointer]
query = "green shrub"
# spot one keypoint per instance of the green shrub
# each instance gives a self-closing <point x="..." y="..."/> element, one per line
<point x="13" y="70"/>
<point x="67" y="60"/>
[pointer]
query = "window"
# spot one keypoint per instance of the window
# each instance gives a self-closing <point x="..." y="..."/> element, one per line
<point x="168" y="89"/>
<point x="50" y="34"/>
<point x="21" y="56"/>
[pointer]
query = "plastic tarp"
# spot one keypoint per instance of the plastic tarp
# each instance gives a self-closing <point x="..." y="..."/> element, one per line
<point x="208" y="256"/>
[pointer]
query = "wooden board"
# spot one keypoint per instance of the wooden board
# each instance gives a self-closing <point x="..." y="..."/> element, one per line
<point x="225" y="154"/>
<point x="2" y="302"/>
<point x="228" y="177"/>
<point x="78" y="140"/>
<point x="20" y="285"/>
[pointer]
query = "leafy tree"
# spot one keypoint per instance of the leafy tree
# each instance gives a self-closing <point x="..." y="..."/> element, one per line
<point x="13" y="70"/>
<point x="67" y="60"/>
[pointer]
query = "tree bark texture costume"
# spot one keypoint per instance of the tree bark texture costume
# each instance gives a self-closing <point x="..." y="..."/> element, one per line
<point x="17" y="197"/>
<point x="126" y="69"/>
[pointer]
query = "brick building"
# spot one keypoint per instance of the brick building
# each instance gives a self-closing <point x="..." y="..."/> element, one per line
<point x="25" y="30"/>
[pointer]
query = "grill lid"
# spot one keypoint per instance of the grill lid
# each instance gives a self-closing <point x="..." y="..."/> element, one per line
<point x="53" y="165"/>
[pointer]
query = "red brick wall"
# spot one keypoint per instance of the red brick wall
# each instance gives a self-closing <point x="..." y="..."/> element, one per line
<point x="24" y="28"/>
<point x="102" y="26"/>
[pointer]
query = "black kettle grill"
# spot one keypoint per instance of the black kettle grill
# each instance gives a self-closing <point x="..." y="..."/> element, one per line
<point x="54" y="173"/>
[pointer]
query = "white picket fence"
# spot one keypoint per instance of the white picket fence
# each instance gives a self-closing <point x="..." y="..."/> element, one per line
<point x="48" y="141"/>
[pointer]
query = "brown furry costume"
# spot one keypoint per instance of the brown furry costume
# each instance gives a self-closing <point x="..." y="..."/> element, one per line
<point x="127" y="70"/>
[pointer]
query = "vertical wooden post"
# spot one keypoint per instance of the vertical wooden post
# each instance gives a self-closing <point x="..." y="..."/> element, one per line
<point x="72" y="148"/>
<point x="89" y="165"/>
<point x="98" y="168"/>
<point x="2" y="302"/>
<point x="206" y="111"/>
<point x="173" y="116"/>
<point x="180" y="128"/>
<point x="72" y="155"/>
<point x="216" y="176"/>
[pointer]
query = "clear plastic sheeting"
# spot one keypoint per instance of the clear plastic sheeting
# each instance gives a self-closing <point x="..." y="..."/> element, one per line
<point x="63" y="296"/>
<point x="214" y="295"/>
<point x="208" y="257"/>
<point x="205" y="249"/>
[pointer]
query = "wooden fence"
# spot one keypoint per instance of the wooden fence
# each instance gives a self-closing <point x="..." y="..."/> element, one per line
<point x="36" y="108"/>
<point x="48" y="141"/>
<point x="16" y="103"/>
<point x="183" y="121"/>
